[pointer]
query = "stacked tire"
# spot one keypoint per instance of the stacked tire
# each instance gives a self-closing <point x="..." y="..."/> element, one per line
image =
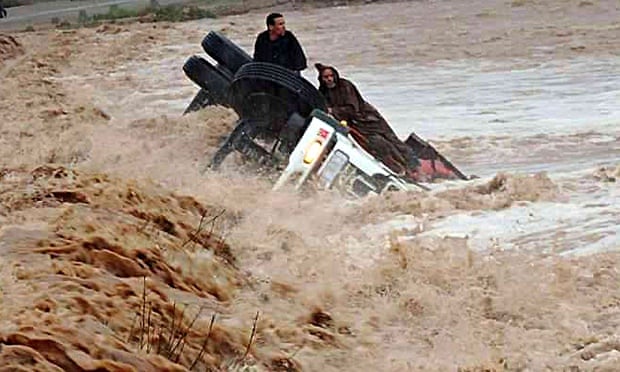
<point x="235" y="77"/>
<point x="290" y="92"/>
<point x="214" y="80"/>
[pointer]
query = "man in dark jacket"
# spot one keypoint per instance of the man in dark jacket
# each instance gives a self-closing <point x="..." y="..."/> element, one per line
<point x="3" y="13"/>
<point x="279" y="46"/>
<point x="369" y="128"/>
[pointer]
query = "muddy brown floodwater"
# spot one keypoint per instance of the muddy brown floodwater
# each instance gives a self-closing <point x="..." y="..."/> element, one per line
<point x="115" y="251"/>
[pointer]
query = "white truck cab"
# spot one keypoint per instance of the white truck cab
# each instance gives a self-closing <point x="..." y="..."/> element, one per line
<point x="328" y="154"/>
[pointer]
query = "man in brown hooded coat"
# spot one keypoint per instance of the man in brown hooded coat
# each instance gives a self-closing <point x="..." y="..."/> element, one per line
<point x="370" y="129"/>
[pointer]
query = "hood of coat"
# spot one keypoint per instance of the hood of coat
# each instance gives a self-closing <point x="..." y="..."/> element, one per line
<point x="320" y="68"/>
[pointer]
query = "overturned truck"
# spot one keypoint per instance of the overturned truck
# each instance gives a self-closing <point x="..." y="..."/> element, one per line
<point x="283" y="122"/>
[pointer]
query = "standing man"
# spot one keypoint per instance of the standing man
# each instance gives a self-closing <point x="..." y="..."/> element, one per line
<point x="3" y="13"/>
<point x="279" y="46"/>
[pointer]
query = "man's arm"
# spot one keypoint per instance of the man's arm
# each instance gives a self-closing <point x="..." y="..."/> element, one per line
<point x="297" y="56"/>
<point x="259" y="49"/>
<point x="349" y="105"/>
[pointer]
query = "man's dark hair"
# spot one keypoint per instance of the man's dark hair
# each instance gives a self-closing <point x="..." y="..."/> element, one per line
<point x="271" y="18"/>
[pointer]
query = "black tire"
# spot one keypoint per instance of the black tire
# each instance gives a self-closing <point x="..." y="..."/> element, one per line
<point x="213" y="79"/>
<point x="201" y="100"/>
<point x="224" y="51"/>
<point x="282" y="85"/>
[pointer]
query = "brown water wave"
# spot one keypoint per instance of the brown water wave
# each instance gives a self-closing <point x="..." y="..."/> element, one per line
<point x="77" y="247"/>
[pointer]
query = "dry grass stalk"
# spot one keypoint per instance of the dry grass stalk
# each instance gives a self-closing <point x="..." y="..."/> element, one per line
<point x="142" y="317"/>
<point x="181" y="340"/>
<point x="192" y="236"/>
<point x="204" y="344"/>
<point x="247" y="350"/>
<point x="171" y="347"/>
